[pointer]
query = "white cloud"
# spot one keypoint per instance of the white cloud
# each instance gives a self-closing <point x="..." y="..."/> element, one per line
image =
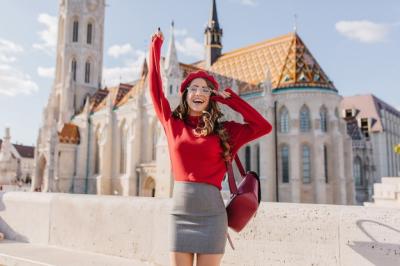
<point x="363" y="30"/>
<point x="118" y="50"/>
<point x="249" y="2"/>
<point x="180" y="32"/>
<point x="190" y="47"/>
<point x="46" y="72"/>
<point x="8" y="50"/>
<point x="48" y="36"/>
<point x="129" y="72"/>
<point x="13" y="82"/>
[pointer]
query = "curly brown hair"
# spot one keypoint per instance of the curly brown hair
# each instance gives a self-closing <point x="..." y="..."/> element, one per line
<point x="209" y="123"/>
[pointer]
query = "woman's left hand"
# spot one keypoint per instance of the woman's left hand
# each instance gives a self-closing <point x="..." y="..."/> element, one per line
<point x="224" y="94"/>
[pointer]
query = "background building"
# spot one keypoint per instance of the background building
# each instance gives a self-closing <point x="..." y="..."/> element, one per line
<point x="16" y="163"/>
<point x="380" y="122"/>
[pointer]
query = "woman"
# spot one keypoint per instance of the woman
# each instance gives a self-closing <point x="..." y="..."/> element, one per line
<point x="199" y="146"/>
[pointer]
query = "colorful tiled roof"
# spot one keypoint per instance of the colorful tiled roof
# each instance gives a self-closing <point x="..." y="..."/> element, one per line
<point x="132" y="91"/>
<point x="69" y="134"/>
<point x="288" y="60"/>
<point x="97" y="98"/>
<point x="117" y="94"/>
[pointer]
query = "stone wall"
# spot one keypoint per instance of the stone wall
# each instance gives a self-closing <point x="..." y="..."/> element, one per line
<point x="133" y="227"/>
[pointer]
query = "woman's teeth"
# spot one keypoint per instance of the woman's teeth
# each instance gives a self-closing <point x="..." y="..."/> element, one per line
<point x="198" y="101"/>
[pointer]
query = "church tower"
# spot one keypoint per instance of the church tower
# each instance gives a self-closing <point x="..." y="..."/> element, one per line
<point x="212" y="37"/>
<point x="79" y="63"/>
<point x="79" y="60"/>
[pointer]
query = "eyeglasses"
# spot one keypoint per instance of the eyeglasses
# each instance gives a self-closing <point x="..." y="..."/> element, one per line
<point x="205" y="90"/>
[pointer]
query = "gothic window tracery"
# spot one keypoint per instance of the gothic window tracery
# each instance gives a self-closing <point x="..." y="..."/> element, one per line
<point x="306" y="162"/>
<point x="284" y="120"/>
<point x="305" y="123"/>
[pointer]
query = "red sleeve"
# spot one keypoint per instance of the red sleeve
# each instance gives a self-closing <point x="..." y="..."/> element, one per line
<point x="161" y="104"/>
<point x="255" y="124"/>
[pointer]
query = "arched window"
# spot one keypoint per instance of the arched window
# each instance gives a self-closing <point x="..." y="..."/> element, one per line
<point x="87" y="72"/>
<point x="258" y="158"/>
<point x="284" y="120"/>
<point x="89" y="33"/>
<point x="73" y="69"/>
<point x="305" y="123"/>
<point x="357" y="171"/>
<point x="326" y="164"/>
<point x="285" y="163"/>
<point x="323" y="114"/>
<point x="96" y="153"/>
<point x="75" y="31"/>
<point x="123" y="149"/>
<point x="306" y="160"/>
<point x="248" y="158"/>
<point x="149" y="189"/>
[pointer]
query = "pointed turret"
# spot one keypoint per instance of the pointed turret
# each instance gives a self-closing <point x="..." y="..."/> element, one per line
<point x="5" y="152"/>
<point x="7" y="135"/>
<point x="172" y="75"/>
<point x="212" y="37"/>
<point x="171" y="60"/>
<point x="214" y="16"/>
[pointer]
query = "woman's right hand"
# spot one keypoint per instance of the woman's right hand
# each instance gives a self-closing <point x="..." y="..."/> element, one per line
<point x="158" y="34"/>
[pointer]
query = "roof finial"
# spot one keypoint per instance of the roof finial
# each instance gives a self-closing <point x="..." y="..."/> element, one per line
<point x="295" y="23"/>
<point x="172" y="23"/>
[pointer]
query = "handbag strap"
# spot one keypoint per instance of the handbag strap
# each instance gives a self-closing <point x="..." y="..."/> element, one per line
<point x="240" y="166"/>
<point x="231" y="178"/>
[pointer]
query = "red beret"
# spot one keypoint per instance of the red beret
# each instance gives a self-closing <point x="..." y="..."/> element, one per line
<point x="198" y="74"/>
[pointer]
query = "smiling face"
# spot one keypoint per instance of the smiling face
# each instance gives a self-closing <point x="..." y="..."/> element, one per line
<point x="197" y="99"/>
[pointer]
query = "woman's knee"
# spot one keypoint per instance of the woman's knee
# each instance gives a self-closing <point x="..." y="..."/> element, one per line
<point x="181" y="259"/>
<point x="209" y="259"/>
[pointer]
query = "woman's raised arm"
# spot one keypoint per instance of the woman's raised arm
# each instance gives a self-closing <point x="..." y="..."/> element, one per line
<point x="161" y="104"/>
<point x="255" y="124"/>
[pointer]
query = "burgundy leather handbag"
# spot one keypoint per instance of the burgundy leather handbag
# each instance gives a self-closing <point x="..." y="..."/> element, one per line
<point x="245" y="198"/>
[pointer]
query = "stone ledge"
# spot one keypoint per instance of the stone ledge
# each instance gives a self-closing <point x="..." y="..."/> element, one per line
<point x="136" y="229"/>
<point x="27" y="254"/>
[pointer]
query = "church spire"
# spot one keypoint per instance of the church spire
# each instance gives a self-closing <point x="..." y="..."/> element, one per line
<point x="171" y="59"/>
<point x="213" y="21"/>
<point x="212" y="37"/>
<point x="173" y="73"/>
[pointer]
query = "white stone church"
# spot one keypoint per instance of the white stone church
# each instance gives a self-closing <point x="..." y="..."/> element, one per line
<point x="108" y="141"/>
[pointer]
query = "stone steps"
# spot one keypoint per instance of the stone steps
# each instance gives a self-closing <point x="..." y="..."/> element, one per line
<point x="27" y="254"/>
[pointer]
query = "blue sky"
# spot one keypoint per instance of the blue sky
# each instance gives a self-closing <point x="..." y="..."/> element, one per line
<point x="356" y="43"/>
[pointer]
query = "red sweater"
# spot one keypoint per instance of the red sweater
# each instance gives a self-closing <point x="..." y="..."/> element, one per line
<point x="198" y="159"/>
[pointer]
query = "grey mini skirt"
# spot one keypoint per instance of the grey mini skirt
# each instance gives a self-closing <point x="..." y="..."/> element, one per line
<point x="198" y="221"/>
